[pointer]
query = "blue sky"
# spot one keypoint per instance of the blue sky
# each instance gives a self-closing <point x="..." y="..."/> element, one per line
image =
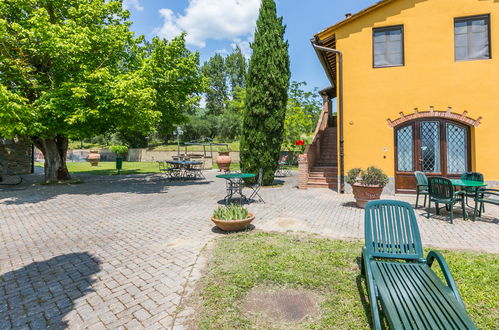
<point x="217" y="25"/>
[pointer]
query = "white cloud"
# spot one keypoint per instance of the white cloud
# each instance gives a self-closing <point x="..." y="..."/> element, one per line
<point x="135" y="4"/>
<point x="211" y="19"/>
<point x="244" y="45"/>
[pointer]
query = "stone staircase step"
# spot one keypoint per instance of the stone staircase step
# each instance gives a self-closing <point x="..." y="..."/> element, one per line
<point x="328" y="169"/>
<point x="323" y="185"/>
<point x="328" y="180"/>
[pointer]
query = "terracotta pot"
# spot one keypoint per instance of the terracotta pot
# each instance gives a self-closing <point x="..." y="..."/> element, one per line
<point x="364" y="194"/>
<point x="93" y="157"/>
<point x="234" y="225"/>
<point x="223" y="161"/>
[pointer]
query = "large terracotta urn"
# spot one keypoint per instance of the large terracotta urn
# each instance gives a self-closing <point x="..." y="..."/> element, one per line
<point x="94" y="157"/>
<point x="223" y="161"/>
<point x="366" y="193"/>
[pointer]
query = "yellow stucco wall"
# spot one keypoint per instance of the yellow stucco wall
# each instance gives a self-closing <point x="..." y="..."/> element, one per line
<point x="430" y="77"/>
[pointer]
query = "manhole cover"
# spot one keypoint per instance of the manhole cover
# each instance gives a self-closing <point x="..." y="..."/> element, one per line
<point x="281" y="305"/>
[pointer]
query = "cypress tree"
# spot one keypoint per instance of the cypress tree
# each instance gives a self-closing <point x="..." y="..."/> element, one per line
<point x="266" y="95"/>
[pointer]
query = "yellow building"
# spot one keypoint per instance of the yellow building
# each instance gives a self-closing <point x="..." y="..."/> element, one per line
<point x="416" y="84"/>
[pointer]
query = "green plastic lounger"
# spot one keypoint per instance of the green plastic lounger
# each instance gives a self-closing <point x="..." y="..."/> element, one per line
<point x="400" y="282"/>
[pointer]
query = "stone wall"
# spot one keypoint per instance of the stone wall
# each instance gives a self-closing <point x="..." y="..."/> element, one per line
<point x="17" y="153"/>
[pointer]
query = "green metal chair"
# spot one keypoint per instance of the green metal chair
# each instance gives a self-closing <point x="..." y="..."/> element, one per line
<point x="489" y="196"/>
<point x="409" y="293"/>
<point x="471" y="192"/>
<point x="421" y="186"/>
<point x="441" y="191"/>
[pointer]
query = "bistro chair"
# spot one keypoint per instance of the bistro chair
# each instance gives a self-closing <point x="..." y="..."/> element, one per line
<point x="441" y="191"/>
<point x="471" y="192"/>
<point x="283" y="167"/>
<point x="484" y="195"/>
<point x="256" y="187"/>
<point x="421" y="186"/>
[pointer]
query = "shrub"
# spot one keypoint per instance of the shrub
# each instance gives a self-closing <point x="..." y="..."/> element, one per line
<point x="372" y="176"/>
<point x="119" y="150"/>
<point x="231" y="212"/>
<point x="353" y="175"/>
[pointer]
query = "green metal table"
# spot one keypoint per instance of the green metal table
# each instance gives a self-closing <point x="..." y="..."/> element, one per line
<point x="235" y="184"/>
<point x="463" y="184"/>
<point x="467" y="183"/>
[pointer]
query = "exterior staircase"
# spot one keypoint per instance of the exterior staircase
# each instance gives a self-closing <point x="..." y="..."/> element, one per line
<point x="324" y="173"/>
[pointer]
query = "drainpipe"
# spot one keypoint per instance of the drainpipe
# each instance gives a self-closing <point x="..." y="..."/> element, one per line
<point x="340" y="106"/>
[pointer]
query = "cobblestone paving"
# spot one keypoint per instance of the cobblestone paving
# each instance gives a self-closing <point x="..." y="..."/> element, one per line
<point x="123" y="252"/>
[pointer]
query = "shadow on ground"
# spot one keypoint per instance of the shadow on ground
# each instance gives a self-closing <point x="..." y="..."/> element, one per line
<point x="40" y="294"/>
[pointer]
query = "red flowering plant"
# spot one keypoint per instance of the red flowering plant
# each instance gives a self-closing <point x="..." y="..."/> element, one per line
<point x="302" y="143"/>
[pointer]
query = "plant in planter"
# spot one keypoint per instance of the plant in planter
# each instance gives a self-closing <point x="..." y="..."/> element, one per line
<point x="120" y="152"/>
<point x="223" y="160"/>
<point x="366" y="185"/>
<point x="232" y="217"/>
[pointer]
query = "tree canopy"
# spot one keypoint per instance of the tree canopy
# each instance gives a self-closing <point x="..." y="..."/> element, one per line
<point x="73" y="69"/>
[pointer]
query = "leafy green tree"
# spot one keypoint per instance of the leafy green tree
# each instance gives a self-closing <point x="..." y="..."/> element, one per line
<point x="73" y="69"/>
<point x="231" y="120"/>
<point x="303" y="110"/>
<point x="217" y="93"/>
<point x="267" y="95"/>
<point x="235" y="66"/>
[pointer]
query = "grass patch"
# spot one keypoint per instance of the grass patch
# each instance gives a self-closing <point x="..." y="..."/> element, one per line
<point x="233" y="146"/>
<point x="241" y="262"/>
<point x="109" y="168"/>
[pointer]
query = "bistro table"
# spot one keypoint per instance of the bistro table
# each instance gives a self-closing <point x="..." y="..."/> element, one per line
<point x="463" y="184"/>
<point x="184" y="169"/>
<point x="235" y="185"/>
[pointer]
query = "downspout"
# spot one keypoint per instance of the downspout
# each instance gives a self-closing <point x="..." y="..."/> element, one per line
<point x="340" y="107"/>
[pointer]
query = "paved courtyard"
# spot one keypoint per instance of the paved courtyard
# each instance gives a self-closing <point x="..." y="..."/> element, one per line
<point x="124" y="251"/>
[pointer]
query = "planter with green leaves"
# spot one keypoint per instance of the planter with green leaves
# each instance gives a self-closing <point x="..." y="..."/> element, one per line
<point x="232" y="217"/>
<point x="366" y="185"/>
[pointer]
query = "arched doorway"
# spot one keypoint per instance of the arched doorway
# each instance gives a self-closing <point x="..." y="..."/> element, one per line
<point x="435" y="146"/>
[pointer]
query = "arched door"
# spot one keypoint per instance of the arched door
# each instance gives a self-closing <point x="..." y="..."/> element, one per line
<point x="437" y="147"/>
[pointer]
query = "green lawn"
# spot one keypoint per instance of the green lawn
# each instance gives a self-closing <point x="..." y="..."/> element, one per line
<point x="109" y="168"/>
<point x="233" y="146"/>
<point x="328" y="268"/>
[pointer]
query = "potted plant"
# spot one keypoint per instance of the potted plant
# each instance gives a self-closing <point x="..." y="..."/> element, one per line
<point x="223" y="160"/>
<point x="232" y="217"/>
<point x="366" y="185"/>
<point x="120" y="152"/>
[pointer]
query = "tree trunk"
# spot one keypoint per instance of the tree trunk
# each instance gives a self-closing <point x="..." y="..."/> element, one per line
<point x="54" y="151"/>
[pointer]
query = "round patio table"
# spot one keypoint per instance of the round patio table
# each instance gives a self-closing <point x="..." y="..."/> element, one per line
<point x="235" y="185"/>
<point x="468" y="184"/>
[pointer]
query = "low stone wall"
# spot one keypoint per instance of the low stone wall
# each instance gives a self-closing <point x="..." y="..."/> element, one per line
<point x="80" y="155"/>
<point x="146" y="155"/>
<point x="18" y="154"/>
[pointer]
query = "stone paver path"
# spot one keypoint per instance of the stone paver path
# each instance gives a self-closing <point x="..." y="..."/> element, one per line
<point x="122" y="252"/>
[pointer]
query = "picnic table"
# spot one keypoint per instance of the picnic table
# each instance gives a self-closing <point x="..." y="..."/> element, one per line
<point x="183" y="169"/>
<point x="235" y="185"/>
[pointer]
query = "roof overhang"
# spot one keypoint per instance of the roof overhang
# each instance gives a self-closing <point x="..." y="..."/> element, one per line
<point x="332" y="29"/>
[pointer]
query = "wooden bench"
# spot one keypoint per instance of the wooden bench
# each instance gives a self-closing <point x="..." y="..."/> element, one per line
<point x="400" y="282"/>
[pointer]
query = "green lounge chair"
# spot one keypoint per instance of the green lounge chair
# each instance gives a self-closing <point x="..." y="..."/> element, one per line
<point x="409" y="293"/>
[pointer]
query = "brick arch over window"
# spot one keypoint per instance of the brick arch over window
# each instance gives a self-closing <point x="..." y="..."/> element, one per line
<point x="432" y="113"/>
